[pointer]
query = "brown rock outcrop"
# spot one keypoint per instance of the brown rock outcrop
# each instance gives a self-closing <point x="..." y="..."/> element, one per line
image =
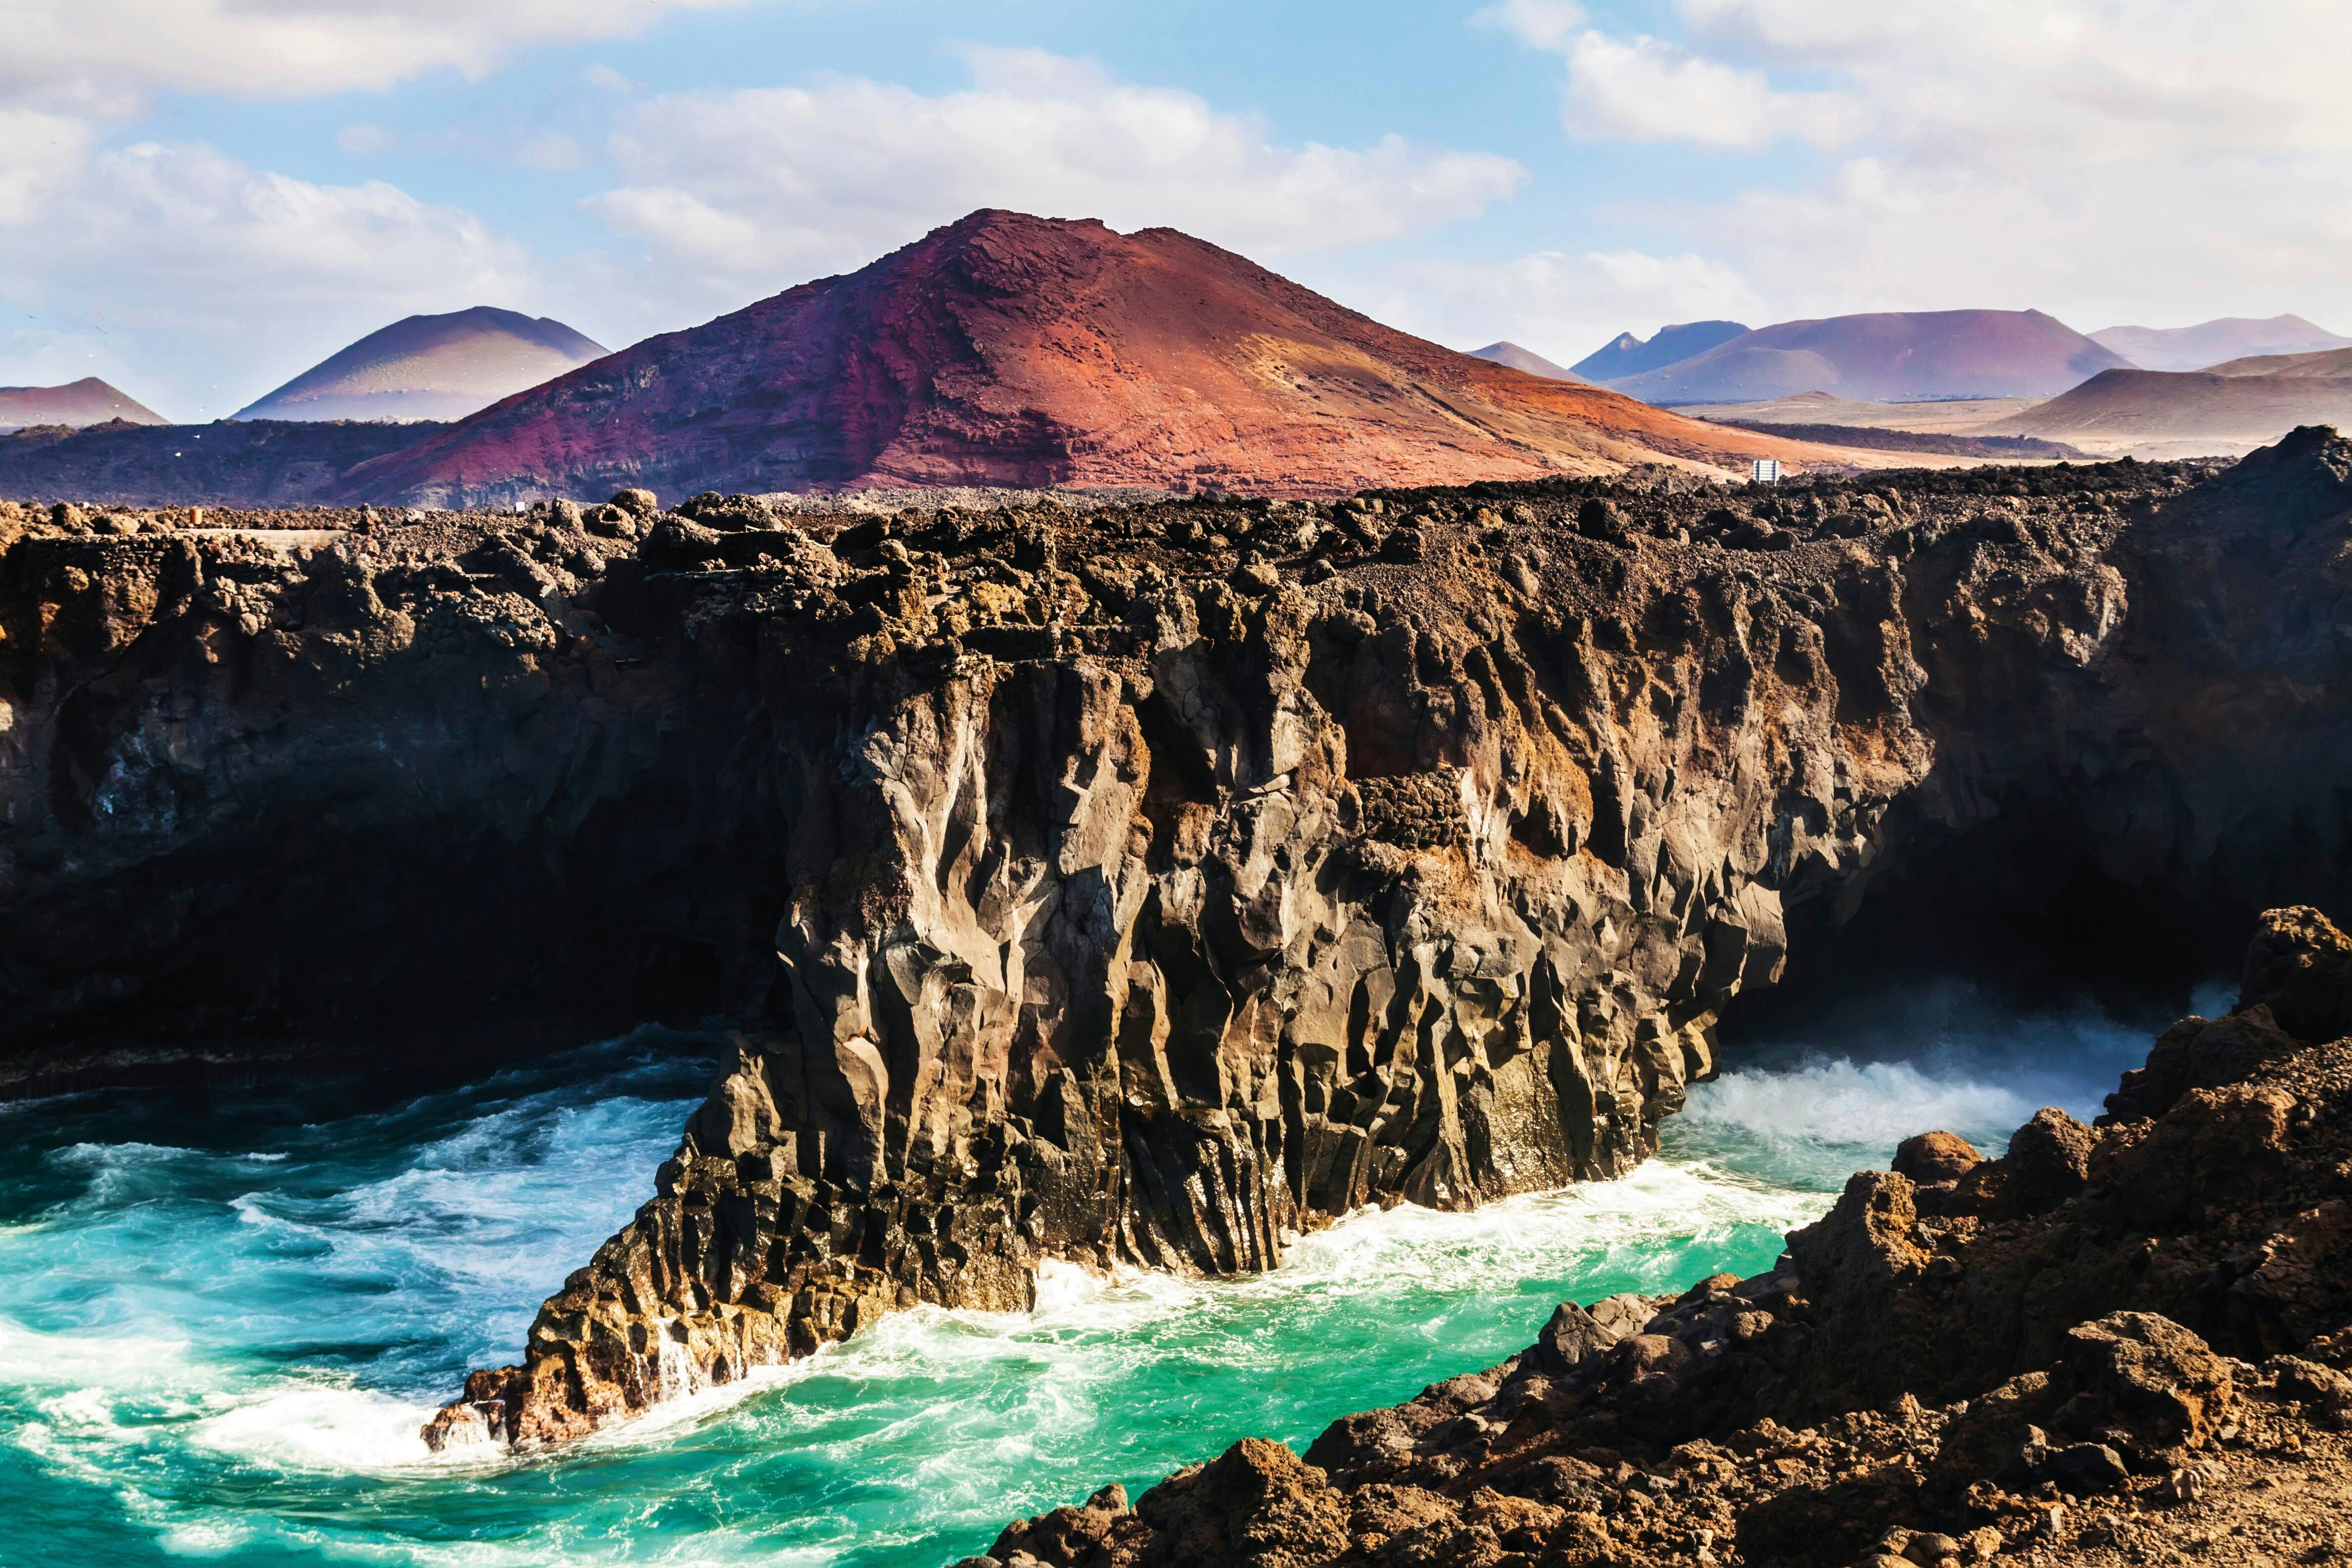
<point x="2120" y="1377"/>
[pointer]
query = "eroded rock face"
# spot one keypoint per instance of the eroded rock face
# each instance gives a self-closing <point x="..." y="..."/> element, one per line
<point x="1135" y="887"/>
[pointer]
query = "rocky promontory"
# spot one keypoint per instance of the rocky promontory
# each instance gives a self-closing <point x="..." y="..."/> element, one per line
<point x="1137" y="885"/>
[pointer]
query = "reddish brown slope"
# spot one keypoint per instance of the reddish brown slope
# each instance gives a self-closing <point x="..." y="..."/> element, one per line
<point x="1009" y="350"/>
<point x="2241" y="404"/>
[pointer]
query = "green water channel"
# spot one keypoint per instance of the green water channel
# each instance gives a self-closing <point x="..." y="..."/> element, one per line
<point x="220" y="1326"/>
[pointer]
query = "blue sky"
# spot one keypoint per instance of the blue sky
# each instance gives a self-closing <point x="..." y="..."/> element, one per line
<point x="200" y="199"/>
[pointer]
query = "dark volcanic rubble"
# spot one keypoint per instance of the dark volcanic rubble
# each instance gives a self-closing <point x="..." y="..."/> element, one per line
<point x="2120" y="1343"/>
<point x="1139" y="885"/>
<point x="277" y="463"/>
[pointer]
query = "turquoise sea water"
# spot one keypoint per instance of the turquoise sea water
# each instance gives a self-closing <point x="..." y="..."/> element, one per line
<point x="221" y="1328"/>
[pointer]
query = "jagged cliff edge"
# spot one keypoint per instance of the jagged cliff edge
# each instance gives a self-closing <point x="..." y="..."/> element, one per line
<point x="1143" y="886"/>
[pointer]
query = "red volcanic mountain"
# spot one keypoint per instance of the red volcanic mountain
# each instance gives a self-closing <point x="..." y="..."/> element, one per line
<point x="1009" y="350"/>
<point x="1890" y="358"/>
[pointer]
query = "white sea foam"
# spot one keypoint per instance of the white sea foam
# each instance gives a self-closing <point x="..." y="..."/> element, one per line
<point x="1096" y="1327"/>
<point x="2214" y="997"/>
<point x="318" y="1426"/>
<point x="1839" y="1102"/>
<point x="115" y="1393"/>
<point x="31" y="1358"/>
<point x="464" y="1229"/>
<point x="1850" y="1087"/>
<point x="661" y="1424"/>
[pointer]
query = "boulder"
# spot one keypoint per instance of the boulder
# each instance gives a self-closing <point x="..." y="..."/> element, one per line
<point x="1932" y="1157"/>
<point x="2197" y="1053"/>
<point x="2151" y="1376"/>
<point x="1257" y="1505"/>
<point x="2215" y="1150"/>
<point x="1831" y="1524"/>
<point x="1997" y="1438"/>
<point x="1598" y="518"/>
<point x="2048" y="1161"/>
<point x="1640" y="1356"/>
<point x="1621" y="1314"/>
<point x="2299" y="965"/>
<point x="2086" y="1468"/>
<point x="1569" y="1339"/>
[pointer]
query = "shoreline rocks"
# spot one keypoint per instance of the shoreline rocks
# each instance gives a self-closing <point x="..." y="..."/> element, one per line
<point x="2149" y="1368"/>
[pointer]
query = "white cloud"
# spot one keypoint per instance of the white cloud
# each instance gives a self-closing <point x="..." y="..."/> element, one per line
<point x="1640" y="90"/>
<point x="1886" y="233"/>
<point x="287" y="47"/>
<point x="2101" y="159"/>
<point x="38" y="152"/>
<point x="764" y="187"/>
<point x="190" y="277"/>
<point x="202" y="282"/>
<point x="1539" y="24"/>
<point x="551" y="151"/>
<point x="2121" y="81"/>
<point x="197" y="280"/>
<point x="606" y="78"/>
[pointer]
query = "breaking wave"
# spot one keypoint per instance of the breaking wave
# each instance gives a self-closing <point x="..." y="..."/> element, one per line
<point x="1838" y="1095"/>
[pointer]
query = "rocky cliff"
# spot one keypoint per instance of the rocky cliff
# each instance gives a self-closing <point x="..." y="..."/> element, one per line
<point x="1138" y="885"/>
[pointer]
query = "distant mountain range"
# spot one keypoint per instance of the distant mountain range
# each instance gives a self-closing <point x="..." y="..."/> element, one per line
<point x="2210" y="342"/>
<point x="1886" y="358"/>
<point x="88" y="401"/>
<point x="431" y="367"/>
<point x="1626" y="355"/>
<point x="1927" y="355"/>
<point x="1527" y="360"/>
<point x="1010" y="349"/>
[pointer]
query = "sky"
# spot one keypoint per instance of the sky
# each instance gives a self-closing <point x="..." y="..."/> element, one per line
<point x="199" y="199"/>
